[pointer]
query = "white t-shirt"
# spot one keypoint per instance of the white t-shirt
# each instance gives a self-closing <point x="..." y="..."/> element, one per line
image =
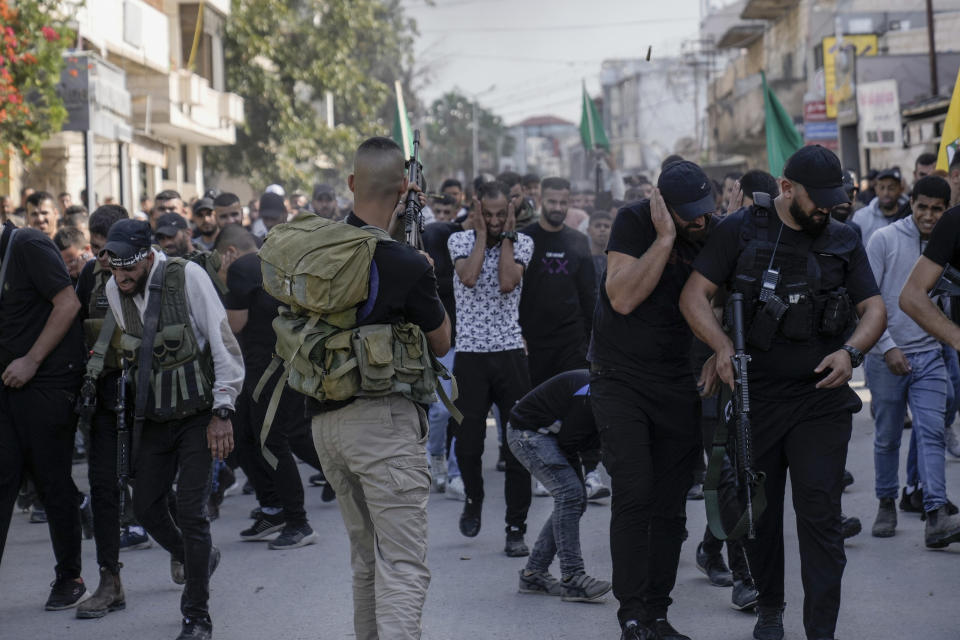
<point x="487" y="320"/>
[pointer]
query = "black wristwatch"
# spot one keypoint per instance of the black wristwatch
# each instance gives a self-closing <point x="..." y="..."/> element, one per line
<point x="856" y="357"/>
<point x="509" y="235"/>
<point x="223" y="413"/>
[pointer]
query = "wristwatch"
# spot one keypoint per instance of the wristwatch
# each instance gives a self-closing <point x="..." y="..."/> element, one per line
<point x="856" y="357"/>
<point x="509" y="235"/>
<point x="223" y="413"/>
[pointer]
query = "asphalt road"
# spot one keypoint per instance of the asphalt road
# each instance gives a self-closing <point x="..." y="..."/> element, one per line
<point x="893" y="588"/>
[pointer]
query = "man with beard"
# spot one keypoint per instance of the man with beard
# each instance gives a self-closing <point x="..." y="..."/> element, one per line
<point x="42" y="213"/>
<point x="324" y="202"/>
<point x="173" y="235"/>
<point x="185" y="401"/>
<point x="556" y="308"/>
<point x="803" y="274"/>
<point x="644" y="392"/>
<point x="205" y="224"/>
<point x="885" y="208"/>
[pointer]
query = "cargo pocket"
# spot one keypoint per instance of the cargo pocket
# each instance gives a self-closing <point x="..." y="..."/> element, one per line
<point x="409" y="475"/>
<point x="373" y="345"/>
<point x="341" y="376"/>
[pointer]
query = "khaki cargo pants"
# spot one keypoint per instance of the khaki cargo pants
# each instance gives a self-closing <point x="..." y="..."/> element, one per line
<point x="372" y="453"/>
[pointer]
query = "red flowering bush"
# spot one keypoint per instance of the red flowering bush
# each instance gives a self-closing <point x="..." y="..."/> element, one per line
<point x="33" y="36"/>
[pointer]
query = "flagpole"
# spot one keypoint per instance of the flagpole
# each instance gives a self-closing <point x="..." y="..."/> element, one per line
<point x="402" y="116"/>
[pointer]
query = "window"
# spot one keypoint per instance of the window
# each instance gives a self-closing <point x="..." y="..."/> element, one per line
<point x="208" y="60"/>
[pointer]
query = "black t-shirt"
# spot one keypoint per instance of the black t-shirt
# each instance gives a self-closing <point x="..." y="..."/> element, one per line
<point x="599" y="268"/>
<point x="35" y="275"/>
<point x="435" y="237"/>
<point x="559" y="288"/>
<point x="560" y="407"/>
<point x="944" y="245"/>
<point x="85" y="284"/>
<point x="786" y="370"/>
<point x="653" y="340"/>
<point x="258" y="339"/>
<point x="403" y="288"/>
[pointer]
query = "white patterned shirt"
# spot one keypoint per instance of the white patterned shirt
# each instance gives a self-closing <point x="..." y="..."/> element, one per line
<point x="487" y="320"/>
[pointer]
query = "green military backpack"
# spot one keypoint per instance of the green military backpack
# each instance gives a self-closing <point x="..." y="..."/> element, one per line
<point x="320" y="270"/>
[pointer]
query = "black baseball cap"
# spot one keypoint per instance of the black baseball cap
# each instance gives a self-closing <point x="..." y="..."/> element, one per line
<point x="892" y="173"/>
<point x="322" y="190"/>
<point x="686" y="188"/>
<point x="128" y="242"/>
<point x="271" y="206"/>
<point x="818" y="170"/>
<point x="203" y="203"/>
<point x="170" y="223"/>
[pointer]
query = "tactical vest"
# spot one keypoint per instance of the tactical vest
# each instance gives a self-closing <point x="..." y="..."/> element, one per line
<point x="97" y="309"/>
<point x="809" y="286"/>
<point x="182" y="377"/>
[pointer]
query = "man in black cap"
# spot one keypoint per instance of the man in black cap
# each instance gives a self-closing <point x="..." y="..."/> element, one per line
<point x="173" y="235"/>
<point x="272" y="210"/>
<point x="645" y="394"/>
<point x="802" y="274"/>
<point x="205" y="224"/>
<point x="324" y="202"/>
<point x="184" y="401"/>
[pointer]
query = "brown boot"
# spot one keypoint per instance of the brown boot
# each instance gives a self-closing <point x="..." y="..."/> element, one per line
<point x="108" y="597"/>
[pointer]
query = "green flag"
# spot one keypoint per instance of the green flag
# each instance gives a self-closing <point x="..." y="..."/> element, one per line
<point x="402" y="131"/>
<point x="783" y="139"/>
<point x="591" y="126"/>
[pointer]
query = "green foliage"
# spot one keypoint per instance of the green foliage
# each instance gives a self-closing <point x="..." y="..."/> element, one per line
<point x="449" y="133"/>
<point x="282" y="56"/>
<point x="33" y="36"/>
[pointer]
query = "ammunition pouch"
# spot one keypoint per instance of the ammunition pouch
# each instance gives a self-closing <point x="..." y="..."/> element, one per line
<point x="837" y="313"/>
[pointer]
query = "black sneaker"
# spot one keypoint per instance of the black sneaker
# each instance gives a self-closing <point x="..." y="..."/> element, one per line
<point x="911" y="502"/>
<point x="744" y="596"/>
<point x="133" y="538"/>
<point x="769" y="624"/>
<point x="66" y="593"/>
<point x="294" y="537"/>
<point x="256" y="513"/>
<point x="470" y="518"/>
<point x="713" y="566"/>
<point x="663" y="630"/>
<point x="850" y="526"/>
<point x="582" y="588"/>
<point x="515" y="547"/>
<point x="328" y="494"/>
<point x="196" y="629"/>
<point x="264" y="527"/>
<point x="86" y="517"/>
<point x="633" y="631"/>
<point x="538" y="582"/>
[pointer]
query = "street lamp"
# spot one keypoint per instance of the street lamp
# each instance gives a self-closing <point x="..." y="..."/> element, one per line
<point x="476" y="131"/>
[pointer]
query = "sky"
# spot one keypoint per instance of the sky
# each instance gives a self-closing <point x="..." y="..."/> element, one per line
<point x="536" y="53"/>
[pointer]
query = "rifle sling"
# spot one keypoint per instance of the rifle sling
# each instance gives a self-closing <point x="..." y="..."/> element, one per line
<point x="151" y="318"/>
<point x="101" y="346"/>
<point x="711" y="497"/>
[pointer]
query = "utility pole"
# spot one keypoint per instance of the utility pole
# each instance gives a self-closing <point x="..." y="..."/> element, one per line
<point x="931" y="39"/>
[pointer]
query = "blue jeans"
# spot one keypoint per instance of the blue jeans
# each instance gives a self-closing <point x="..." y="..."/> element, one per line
<point x="924" y="390"/>
<point x="560" y="536"/>
<point x="438" y="416"/>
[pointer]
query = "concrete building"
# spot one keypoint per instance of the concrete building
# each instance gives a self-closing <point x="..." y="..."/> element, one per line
<point x="134" y="103"/>
<point x="542" y="146"/>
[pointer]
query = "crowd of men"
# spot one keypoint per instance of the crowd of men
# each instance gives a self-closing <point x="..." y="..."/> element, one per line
<point x="585" y="322"/>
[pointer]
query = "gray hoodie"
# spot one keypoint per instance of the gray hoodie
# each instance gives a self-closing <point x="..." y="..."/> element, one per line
<point x="870" y="219"/>
<point x="892" y="252"/>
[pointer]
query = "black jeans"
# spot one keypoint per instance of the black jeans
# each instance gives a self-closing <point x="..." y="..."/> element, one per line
<point x="650" y="435"/>
<point x="484" y="379"/>
<point x="811" y="440"/>
<point x="37" y="428"/>
<point x="289" y="434"/>
<point x="167" y="448"/>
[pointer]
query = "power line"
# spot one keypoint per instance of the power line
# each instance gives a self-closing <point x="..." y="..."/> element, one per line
<point x="571" y="27"/>
<point x="483" y="56"/>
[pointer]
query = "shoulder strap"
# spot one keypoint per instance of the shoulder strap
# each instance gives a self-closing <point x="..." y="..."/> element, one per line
<point x="6" y="259"/>
<point x="101" y="346"/>
<point x="382" y="236"/>
<point x="145" y="358"/>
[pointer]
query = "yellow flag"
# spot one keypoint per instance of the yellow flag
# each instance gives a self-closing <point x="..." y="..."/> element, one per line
<point x="950" y="140"/>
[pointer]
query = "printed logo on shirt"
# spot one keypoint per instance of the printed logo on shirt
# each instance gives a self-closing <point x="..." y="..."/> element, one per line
<point x="555" y="262"/>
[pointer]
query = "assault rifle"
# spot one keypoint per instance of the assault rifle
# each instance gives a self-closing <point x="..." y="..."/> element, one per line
<point x="949" y="283"/>
<point x="123" y="438"/>
<point x="86" y="403"/>
<point x="413" y="210"/>
<point x="741" y="412"/>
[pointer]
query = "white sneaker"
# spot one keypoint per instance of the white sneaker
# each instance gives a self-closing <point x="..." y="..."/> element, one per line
<point x="952" y="441"/>
<point x="595" y="487"/>
<point x="455" y="490"/>
<point x="539" y="490"/>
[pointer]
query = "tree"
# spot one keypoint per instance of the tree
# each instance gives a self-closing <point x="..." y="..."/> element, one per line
<point x="33" y="36"/>
<point x="283" y="56"/>
<point x="449" y="133"/>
